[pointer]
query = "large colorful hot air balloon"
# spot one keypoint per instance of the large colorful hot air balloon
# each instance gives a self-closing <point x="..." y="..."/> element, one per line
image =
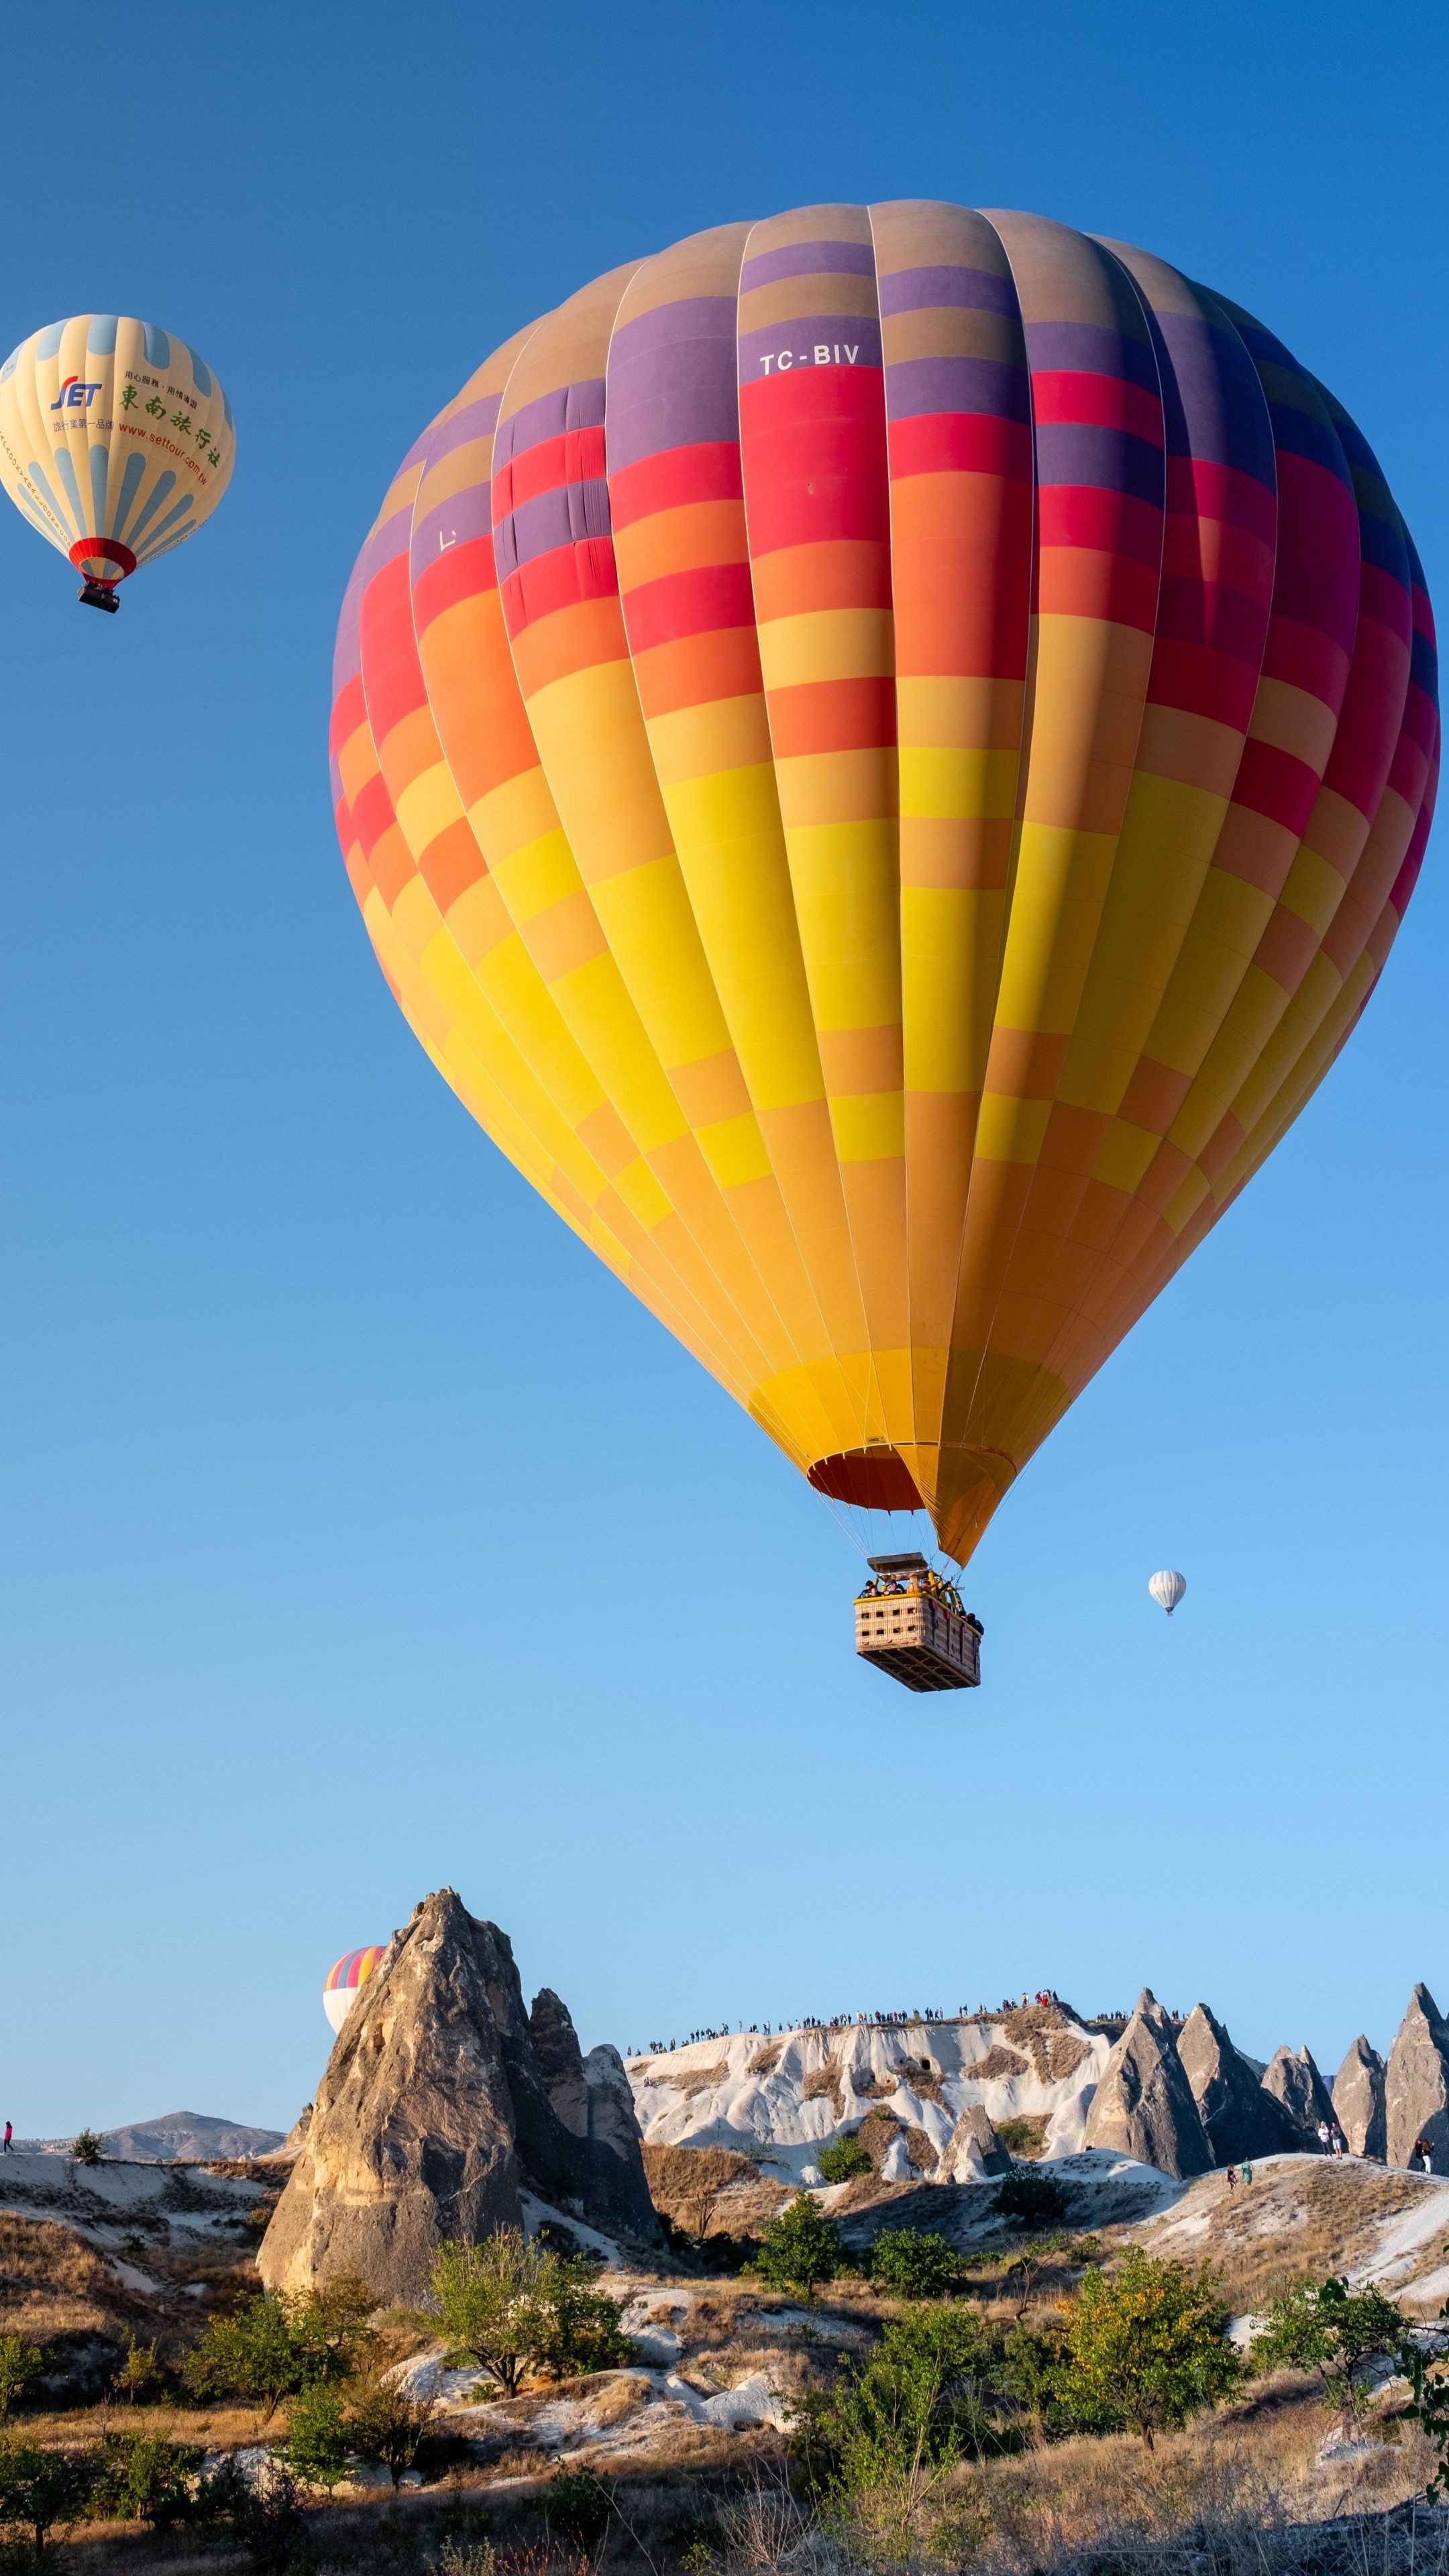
<point x="882" y="753"/>
<point x="115" y="441"/>
<point x="345" y="1979"/>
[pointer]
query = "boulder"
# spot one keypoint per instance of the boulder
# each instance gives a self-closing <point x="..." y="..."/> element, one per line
<point x="1144" y="2106"/>
<point x="1358" y="2101"/>
<point x="1239" y="2119"/>
<point x="1296" y="2083"/>
<point x="973" y="2151"/>
<point x="439" y="2107"/>
<point x="1416" y="2086"/>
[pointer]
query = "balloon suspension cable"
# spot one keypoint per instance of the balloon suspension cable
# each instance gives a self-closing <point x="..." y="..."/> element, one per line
<point x="853" y="1521"/>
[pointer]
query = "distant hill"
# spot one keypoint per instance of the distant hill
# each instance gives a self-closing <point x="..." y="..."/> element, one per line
<point x="189" y="2137"/>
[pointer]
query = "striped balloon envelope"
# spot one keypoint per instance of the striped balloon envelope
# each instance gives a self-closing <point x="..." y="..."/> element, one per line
<point x="882" y="753"/>
<point x="343" y="1982"/>
<point x="116" y="442"/>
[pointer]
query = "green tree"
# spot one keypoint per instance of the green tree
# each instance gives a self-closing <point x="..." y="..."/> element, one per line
<point x="387" y="2425"/>
<point x="514" y="2306"/>
<point x="332" y="2326"/>
<point x="1331" y="2330"/>
<point x="138" y="2369"/>
<point x="42" y="2491"/>
<point x="276" y="2346"/>
<point x="255" y="2354"/>
<point x="880" y="2448"/>
<point x="800" y="2248"/>
<point x="915" y="2263"/>
<point x="20" y="2363"/>
<point x="315" y="2445"/>
<point x="147" y="2479"/>
<point x="1146" y="2348"/>
<point x="87" y="2147"/>
<point x="843" y="2160"/>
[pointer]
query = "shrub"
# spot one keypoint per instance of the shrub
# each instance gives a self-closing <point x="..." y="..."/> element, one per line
<point x="86" y="2148"/>
<point x="267" y="2520"/>
<point x="880" y="2448"/>
<point x="1430" y="2382"/>
<point x="914" y="2263"/>
<point x="387" y="2425"/>
<point x="147" y="2479"/>
<point x="256" y="2354"/>
<point x="138" y="2370"/>
<point x="843" y="2160"/>
<point x="1024" y="2137"/>
<point x="514" y="2306"/>
<point x="579" y="2505"/>
<point x="1031" y="2199"/>
<point x="586" y="2333"/>
<point x="1032" y="2371"/>
<point x="41" y="2490"/>
<point x="1330" y="2330"/>
<point x="800" y="2248"/>
<point x="20" y="2363"/>
<point x="318" y="2439"/>
<point x="1147" y="2348"/>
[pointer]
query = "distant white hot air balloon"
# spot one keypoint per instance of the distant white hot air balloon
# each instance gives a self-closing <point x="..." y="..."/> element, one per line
<point x="1168" y="1589"/>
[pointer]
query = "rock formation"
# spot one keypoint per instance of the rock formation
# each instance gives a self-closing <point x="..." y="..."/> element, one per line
<point x="1358" y="2101"/>
<point x="1239" y="2118"/>
<point x="1143" y="2106"/>
<point x="973" y="2150"/>
<point x="442" y="2103"/>
<point x="1416" y="2088"/>
<point x="1297" y="2084"/>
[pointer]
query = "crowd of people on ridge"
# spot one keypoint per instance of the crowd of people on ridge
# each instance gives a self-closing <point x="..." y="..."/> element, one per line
<point x="845" y="2021"/>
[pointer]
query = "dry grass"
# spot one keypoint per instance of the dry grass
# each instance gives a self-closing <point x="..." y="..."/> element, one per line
<point x="53" y="2283"/>
<point x="997" y="2061"/>
<point x="825" y="2083"/>
<point x="1294" y="2221"/>
<point x="697" y="2079"/>
<point x="1252" y="2469"/>
<point x="766" y="2059"/>
<point x="711" y="2191"/>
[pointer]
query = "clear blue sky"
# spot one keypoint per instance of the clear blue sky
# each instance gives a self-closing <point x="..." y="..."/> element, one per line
<point x="357" y="1533"/>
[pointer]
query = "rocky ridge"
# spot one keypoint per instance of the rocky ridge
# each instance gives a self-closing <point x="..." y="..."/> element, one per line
<point x="444" y="2105"/>
<point x="1046" y="2084"/>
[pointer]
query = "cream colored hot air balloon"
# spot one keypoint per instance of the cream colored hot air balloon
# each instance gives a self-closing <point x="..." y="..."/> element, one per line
<point x="1167" y="1589"/>
<point x="115" y="441"/>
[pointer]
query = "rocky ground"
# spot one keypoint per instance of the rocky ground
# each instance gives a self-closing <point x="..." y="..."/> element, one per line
<point x="690" y="2431"/>
<point x="449" y="2108"/>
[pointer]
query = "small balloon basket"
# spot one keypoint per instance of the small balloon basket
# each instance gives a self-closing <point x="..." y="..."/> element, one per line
<point x="909" y="1623"/>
